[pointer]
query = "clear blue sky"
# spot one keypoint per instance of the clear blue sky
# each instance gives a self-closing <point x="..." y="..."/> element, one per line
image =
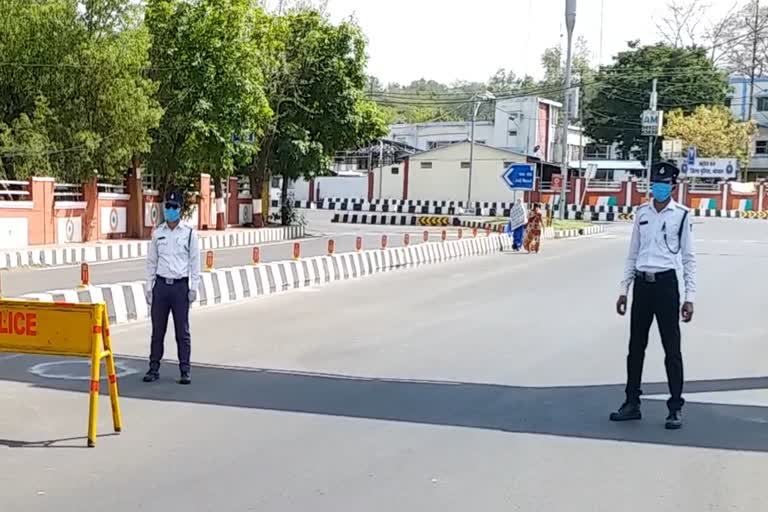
<point x="446" y="41"/>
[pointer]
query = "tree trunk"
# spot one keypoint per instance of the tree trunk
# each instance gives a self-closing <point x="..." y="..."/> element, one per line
<point x="285" y="206"/>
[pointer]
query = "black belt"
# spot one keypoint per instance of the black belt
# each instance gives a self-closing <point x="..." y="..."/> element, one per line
<point x="170" y="282"/>
<point x="651" y="277"/>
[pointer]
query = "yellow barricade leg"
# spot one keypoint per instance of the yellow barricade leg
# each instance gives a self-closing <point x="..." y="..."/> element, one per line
<point x="93" y="413"/>
<point x="117" y="420"/>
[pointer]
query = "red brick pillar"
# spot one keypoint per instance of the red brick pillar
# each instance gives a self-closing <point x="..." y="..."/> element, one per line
<point x="42" y="222"/>
<point x="233" y="211"/>
<point x="406" y="170"/>
<point x="204" y="220"/>
<point x="312" y="190"/>
<point x="91" y="228"/>
<point x="135" y="210"/>
<point x="370" y="186"/>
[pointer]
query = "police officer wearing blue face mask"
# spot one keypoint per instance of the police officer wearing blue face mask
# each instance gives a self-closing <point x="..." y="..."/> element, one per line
<point x="173" y="276"/>
<point x="661" y="242"/>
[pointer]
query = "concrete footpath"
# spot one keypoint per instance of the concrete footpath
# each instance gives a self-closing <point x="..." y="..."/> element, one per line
<point x="452" y="388"/>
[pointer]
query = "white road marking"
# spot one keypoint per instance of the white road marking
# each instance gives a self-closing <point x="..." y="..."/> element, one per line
<point x="9" y="357"/>
<point x="49" y="370"/>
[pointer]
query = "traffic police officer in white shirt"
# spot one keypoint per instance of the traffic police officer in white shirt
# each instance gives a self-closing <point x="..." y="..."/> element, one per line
<point x="173" y="276"/>
<point x="661" y="241"/>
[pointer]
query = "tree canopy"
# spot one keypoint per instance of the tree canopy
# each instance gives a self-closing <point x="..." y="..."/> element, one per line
<point x="74" y="98"/>
<point x="686" y="79"/>
<point x="713" y="130"/>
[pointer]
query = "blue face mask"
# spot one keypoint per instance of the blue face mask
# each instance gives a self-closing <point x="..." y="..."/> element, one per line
<point x="661" y="191"/>
<point x="172" y="214"/>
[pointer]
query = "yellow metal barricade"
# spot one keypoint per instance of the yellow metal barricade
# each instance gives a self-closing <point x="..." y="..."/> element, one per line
<point x="59" y="329"/>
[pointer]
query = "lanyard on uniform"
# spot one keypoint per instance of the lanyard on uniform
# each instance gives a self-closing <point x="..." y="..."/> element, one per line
<point x="679" y="235"/>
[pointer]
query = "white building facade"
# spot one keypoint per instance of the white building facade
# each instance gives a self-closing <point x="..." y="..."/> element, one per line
<point x="739" y="104"/>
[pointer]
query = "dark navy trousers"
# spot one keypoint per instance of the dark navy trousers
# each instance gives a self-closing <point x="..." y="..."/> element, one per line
<point x="170" y="299"/>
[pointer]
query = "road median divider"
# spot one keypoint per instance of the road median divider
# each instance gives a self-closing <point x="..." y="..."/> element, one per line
<point x="131" y="249"/>
<point x="125" y="302"/>
<point x="64" y="329"/>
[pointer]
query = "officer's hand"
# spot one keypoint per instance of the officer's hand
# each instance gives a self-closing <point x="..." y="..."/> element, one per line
<point x="687" y="312"/>
<point x="192" y="295"/>
<point x="148" y="296"/>
<point x="621" y="305"/>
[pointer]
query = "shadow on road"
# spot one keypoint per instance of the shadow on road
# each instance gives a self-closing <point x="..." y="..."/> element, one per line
<point x="577" y="411"/>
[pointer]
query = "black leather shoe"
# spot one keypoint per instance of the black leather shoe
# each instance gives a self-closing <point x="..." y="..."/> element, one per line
<point x="185" y="379"/>
<point x="674" y="420"/>
<point x="627" y="412"/>
<point x="151" y="376"/>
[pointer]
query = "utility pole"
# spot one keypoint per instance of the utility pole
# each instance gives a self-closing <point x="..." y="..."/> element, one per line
<point x="381" y="168"/>
<point x="755" y="34"/>
<point x="476" y="102"/>
<point x="651" y="139"/>
<point x="570" y="21"/>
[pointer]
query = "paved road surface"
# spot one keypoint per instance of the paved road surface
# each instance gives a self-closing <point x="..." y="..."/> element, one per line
<point x="20" y="281"/>
<point x="482" y="385"/>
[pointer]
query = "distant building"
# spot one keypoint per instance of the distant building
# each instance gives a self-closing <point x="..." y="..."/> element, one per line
<point x="525" y="125"/>
<point x="738" y="101"/>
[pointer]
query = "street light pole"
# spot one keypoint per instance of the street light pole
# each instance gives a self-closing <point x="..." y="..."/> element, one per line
<point x="570" y="22"/>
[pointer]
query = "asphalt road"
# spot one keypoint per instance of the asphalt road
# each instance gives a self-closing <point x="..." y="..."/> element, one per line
<point x="16" y="282"/>
<point x="481" y="384"/>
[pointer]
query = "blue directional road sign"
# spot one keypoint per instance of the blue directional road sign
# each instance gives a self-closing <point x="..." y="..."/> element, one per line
<point x="520" y="177"/>
<point x="692" y="155"/>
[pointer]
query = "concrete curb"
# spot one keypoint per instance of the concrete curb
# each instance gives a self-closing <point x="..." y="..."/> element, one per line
<point x="549" y="233"/>
<point x="56" y="256"/>
<point x="125" y="301"/>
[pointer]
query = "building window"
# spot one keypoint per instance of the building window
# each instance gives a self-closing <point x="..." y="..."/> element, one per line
<point x="762" y="104"/>
<point x="396" y="170"/>
<point x="480" y="141"/>
<point x="512" y="133"/>
<point x="465" y="165"/>
<point x="426" y="165"/>
<point x="761" y="147"/>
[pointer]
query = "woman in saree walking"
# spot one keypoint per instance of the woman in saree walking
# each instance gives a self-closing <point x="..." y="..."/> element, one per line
<point x="533" y="231"/>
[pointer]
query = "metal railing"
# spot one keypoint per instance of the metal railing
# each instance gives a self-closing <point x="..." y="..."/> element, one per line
<point x="546" y="186"/>
<point x="67" y="192"/>
<point x="108" y="188"/>
<point x="604" y="185"/>
<point x="14" y="190"/>
<point x="704" y="187"/>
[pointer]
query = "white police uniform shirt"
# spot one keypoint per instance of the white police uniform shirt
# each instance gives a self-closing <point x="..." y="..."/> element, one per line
<point x="655" y="246"/>
<point x="174" y="254"/>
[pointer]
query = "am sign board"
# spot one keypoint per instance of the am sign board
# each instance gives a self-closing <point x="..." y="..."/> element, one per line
<point x="724" y="168"/>
<point x="520" y="177"/>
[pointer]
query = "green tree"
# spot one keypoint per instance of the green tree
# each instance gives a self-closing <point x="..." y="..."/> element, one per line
<point x="713" y="130"/>
<point x="81" y="98"/>
<point x="210" y="85"/>
<point x="316" y="84"/>
<point x="686" y="79"/>
<point x="552" y="84"/>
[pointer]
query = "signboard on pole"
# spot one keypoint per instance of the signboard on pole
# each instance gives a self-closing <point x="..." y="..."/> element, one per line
<point x="520" y="177"/>
<point x="557" y="183"/>
<point x="692" y="155"/>
<point x="652" y="122"/>
<point x="672" y="148"/>
<point x="723" y="168"/>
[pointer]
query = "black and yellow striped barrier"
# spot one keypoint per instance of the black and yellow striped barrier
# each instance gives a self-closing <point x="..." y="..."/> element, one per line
<point x="755" y="215"/>
<point x="626" y="216"/>
<point x="434" y="221"/>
